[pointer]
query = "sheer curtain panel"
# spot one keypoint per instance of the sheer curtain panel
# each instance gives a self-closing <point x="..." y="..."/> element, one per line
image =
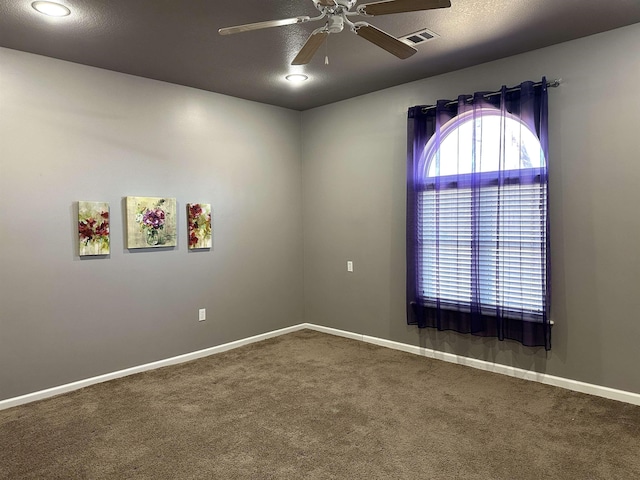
<point x="478" y="216"/>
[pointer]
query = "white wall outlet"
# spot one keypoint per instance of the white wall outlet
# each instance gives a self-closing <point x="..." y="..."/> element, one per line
<point x="202" y="314"/>
<point x="349" y="266"/>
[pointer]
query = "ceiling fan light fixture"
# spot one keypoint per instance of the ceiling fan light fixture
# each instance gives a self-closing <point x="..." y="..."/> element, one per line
<point x="297" y="78"/>
<point x="51" y="9"/>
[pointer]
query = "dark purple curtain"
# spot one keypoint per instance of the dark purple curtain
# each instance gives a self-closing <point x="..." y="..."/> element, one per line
<point x="483" y="190"/>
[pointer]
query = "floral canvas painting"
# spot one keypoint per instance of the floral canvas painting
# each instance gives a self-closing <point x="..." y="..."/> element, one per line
<point x="93" y="228"/>
<point x="151" y="222"/>
<point x="199" y="222"/>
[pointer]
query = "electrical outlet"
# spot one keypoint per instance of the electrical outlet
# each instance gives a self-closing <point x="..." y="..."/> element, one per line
<point x="202" y="314"/>
<point x="349" y="266"/>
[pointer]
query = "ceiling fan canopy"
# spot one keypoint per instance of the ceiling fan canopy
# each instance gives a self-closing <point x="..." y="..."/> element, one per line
<point x="338" y="14"/>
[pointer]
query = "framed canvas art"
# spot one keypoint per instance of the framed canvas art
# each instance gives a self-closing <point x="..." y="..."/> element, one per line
<point x="199" y="223"/>
<point x="151" y="222"/>
<point x="93" y="228"/>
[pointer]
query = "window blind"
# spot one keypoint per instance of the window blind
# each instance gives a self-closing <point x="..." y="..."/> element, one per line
<point x="496" y="261"/>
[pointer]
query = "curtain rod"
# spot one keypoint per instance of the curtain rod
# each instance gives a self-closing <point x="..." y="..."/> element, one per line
<point x="550" y="84"/>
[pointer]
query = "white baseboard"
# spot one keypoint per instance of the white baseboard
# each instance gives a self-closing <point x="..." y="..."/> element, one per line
<point x="600" y="391"/>
<point x="591" y="389"/>
<point x="69" y="387"/>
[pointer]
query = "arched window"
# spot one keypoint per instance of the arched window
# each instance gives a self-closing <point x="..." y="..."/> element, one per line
<point x="510" y="206"/>
<point x="477" y="215"/>
<point x="484" y="140"/>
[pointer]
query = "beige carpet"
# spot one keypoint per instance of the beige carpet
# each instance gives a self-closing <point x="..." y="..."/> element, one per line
<point x="314" y="406"/>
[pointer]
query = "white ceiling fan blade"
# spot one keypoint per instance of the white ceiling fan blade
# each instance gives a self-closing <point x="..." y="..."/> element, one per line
<point x="260" y="25"/>
<point x="400" y="6"/>
<point x="309" y="49"/>
<point x="382" y="39"/>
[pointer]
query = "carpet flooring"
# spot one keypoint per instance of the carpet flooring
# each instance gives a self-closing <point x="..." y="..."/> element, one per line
<point x="314" y="406"/>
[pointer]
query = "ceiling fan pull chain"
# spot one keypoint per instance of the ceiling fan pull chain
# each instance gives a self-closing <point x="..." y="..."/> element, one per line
<point x="326" y="52"/>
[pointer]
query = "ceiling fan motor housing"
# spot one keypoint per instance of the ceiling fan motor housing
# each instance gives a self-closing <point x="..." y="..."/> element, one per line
<point x="332" y="6"/>
<point x="347" y="4"/>
<point x="335" y="24"/>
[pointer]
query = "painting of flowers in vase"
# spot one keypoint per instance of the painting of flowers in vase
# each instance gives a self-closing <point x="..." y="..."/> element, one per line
<point x="93" y="228"/>
<point x="151" y="222"/>
<point x="199" y="223"/>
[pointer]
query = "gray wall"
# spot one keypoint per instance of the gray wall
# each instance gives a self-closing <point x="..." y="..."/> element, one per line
<point x="69" y="133"/>
<point x="354" y="207"/>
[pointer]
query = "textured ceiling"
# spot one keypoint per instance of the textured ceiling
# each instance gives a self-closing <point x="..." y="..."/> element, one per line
<point x="177" y="41"/>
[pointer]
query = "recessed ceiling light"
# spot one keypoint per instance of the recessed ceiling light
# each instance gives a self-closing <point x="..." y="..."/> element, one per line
<point x="296" y="78"/>
<point x="51" y="8"/>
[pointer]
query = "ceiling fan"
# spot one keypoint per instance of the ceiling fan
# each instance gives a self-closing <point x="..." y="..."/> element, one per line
<point x="337" y="13"/>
